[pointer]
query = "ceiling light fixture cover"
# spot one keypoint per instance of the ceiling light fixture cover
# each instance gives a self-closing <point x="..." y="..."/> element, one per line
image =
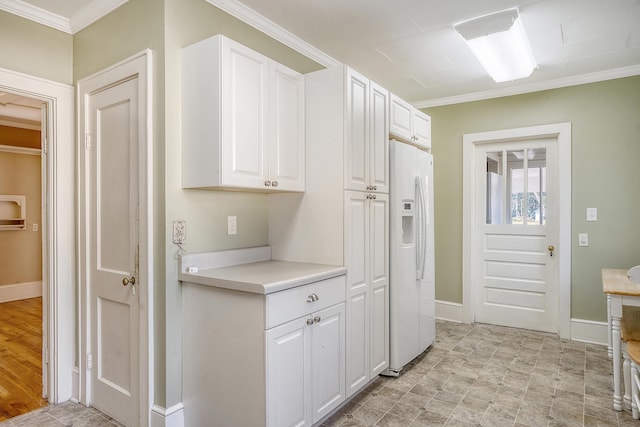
<point x="500" y="44"/>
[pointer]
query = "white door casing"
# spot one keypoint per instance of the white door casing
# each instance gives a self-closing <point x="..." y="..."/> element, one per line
<point x="58" y="269"/>
<point x="115" y="240"/>
<point x="559" y="134"/>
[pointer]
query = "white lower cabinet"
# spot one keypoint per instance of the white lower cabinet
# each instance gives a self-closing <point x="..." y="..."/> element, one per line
<point x="367" y="307"/>
<point x="283" y="352"/>
<point x="305" y="368"/>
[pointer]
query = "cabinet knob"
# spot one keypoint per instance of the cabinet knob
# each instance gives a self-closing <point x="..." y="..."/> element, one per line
<point x="375" y="187"/>
<point x="309" y="321"/>
<point x="316" y="319"/>
<point x="267" y="183"/>
<point x="373" y="197"/>
<point x="274" y="183"/>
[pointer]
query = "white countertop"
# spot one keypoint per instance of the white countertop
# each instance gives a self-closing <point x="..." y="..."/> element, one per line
<point x="257" y="273"/>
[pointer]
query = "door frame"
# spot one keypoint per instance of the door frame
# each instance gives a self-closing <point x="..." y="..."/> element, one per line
<point x="58" y="230"/>
<point x="562" y="134"/>
<point x="137" y="66"/>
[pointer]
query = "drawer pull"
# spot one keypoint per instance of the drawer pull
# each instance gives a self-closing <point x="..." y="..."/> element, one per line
<point x="312" y="298"/>
<point x="316" y="319"/>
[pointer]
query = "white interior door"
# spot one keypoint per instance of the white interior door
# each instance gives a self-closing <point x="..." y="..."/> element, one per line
<point x="113" y="250"/>
<point x="517" y="213"/>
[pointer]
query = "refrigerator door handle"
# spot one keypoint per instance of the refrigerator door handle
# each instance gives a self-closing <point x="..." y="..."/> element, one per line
<point x="422" y="228"/>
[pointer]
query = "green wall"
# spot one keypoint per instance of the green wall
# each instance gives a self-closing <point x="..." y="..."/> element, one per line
<point x="605" y="159"/>
<point x="34" y="49"/>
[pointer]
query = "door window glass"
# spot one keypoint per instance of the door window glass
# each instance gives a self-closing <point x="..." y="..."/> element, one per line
<point x="520" y="199"/>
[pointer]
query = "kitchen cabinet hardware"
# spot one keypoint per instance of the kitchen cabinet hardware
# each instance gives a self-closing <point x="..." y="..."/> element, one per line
<point x="312" y="298"/>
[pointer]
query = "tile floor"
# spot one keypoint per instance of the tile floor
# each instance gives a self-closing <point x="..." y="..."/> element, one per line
<point x="475" y="375"/>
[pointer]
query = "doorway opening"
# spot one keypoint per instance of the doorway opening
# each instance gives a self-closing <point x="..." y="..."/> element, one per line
<point x="57" y="228"/>
<point x="22" y="255"/>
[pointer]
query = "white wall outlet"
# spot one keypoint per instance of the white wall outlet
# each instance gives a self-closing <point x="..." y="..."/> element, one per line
<point x="34" y="227"/>
<point x="232" y="225"/>
<point x="583" y="240"/>
<point x="592" y="214"/>
<point x="179" y="232"/>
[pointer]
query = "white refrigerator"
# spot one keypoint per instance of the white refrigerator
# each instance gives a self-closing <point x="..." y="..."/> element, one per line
<point x="411" y="263"/>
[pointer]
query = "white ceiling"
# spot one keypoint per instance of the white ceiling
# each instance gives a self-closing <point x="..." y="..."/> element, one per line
<point x="410" y="46"/>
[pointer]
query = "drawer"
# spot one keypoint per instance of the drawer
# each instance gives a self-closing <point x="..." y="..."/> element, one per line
<point x="303" y="300"/>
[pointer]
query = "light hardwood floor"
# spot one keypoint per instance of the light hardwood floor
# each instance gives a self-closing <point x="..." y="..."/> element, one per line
<point x="20" y="357"/>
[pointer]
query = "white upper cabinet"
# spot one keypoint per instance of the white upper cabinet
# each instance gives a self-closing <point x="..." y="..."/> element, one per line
<point x="242" y="119"/>
<point x="408" y="123"/>
<point x="366" y="144"/>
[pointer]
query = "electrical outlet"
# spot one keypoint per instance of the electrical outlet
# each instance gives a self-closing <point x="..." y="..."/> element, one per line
<point x="179" y="232"/>
<point x="583" y="240"/>
<point x="232" y="225"/>
<point x="34" y="227"/>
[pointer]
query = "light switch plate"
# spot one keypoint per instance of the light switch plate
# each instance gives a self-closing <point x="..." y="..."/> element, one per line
<point x="583" y="240"/>
<point x="232" y="225"/>
<point x="592" y="214"/>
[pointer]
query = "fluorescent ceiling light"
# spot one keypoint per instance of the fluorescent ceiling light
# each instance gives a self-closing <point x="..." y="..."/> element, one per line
<point x="500" y="44"/>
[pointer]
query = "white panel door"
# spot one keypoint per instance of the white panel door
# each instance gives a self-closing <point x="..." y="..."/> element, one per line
<point x="244" y="116"/>
<point x="357" y="132"/>
<point x="378" y="173"/>
<point x="421" y="129"/>
<point x="289" y="374"/>
<point x="400" y="118"/>
<point x="379" y="283"/>
<point x="113" y="250"/>
<point x="327" y="360"/>
<point x="357" y="310"/>
<point x="286" y="140"/>
<point x="517" y="215"/>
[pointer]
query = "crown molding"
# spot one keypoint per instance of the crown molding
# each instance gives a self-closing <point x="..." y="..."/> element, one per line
<point x="36" y="14"/>
<point x="79" y="20"/>
<point x="617" y="73"/>
<point x="259" y="22"/>
<point x="92" y="12"/>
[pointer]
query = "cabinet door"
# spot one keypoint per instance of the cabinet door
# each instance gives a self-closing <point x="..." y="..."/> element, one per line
<point x="288" y="379"/>
<point x="327" y="360"/>
<point x="379" y="283"/>
<point x="286" y="132"/>
<point x="378" y="175"/>
<point x="244" y="116"/>
<point x="356" y="131"/>
<point x="421" y="129"/>
<point x="357" y="305"/>
<point x="400" y="118"/>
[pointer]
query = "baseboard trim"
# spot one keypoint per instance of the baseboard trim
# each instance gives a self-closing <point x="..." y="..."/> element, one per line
<point x="20" y="291"/>
<point x="167" y="417"/>
<point x="589" y="331"/>
<point x="75" y="385"/>
<point x="449" y="311"/>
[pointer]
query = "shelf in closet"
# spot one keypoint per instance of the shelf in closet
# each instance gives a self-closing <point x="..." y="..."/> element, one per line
<point x="13" y="212"/>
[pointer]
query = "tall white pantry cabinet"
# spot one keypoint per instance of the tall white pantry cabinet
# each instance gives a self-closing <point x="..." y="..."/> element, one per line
<point x="343" y="216"/>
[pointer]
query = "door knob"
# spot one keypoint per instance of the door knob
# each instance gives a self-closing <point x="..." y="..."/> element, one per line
<point x="551" y="249"/>
<point x="129" y="281"/>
